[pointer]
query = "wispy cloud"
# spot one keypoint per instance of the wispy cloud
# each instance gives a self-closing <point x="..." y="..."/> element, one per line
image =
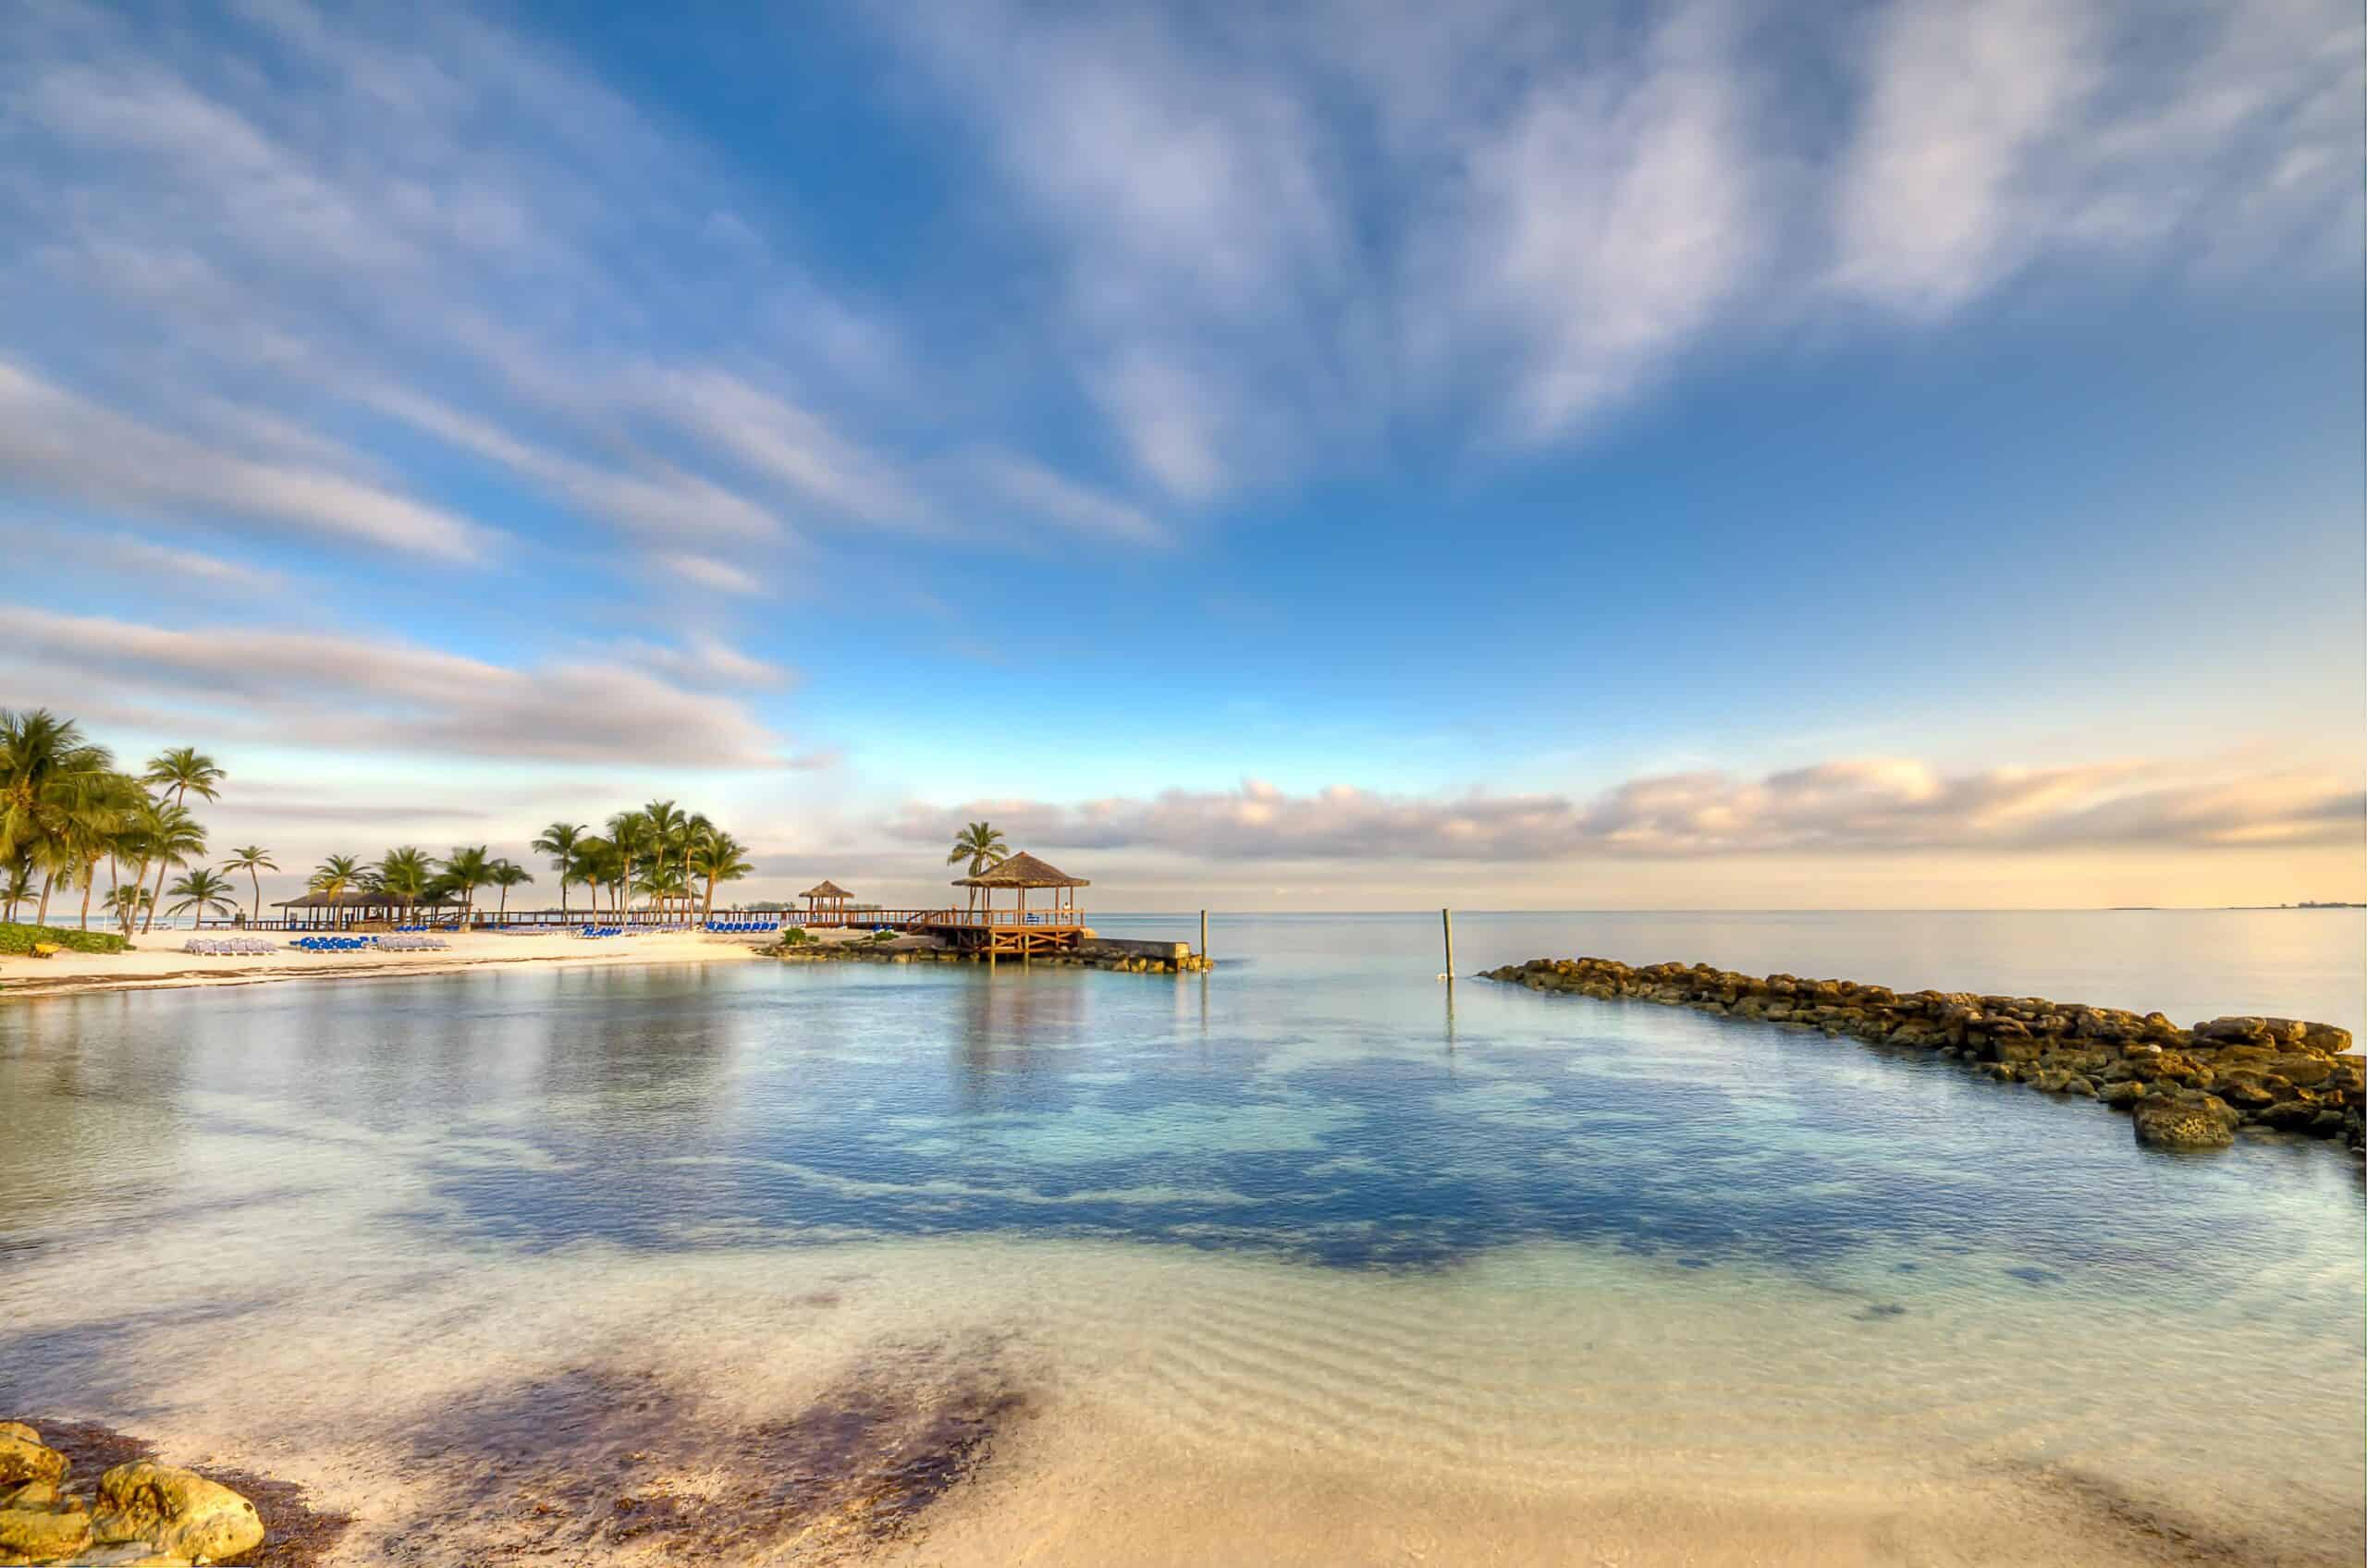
<point x="1049" y="500"/>
<point x="1996" y="133"/>
<point x="1282" y="234"/>
<point x="707" y="571"/>
<point x="381" y="695"/>
<point x="1879" y="804"/>
<point x="56" y="444"/>
<point x="352" y="217"/>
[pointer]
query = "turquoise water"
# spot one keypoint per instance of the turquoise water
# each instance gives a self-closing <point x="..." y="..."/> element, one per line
<point x="1233" y="1210"/>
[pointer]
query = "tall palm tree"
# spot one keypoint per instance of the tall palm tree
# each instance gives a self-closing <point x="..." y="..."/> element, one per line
<point x="718" y="857"/>
<point x="403" y="874"/>
<point x="336" y="877"/>
<point x="664" y="837"/>
<point x="204" y="891"/>
<point x="559" y="842"/>
<point x="252" y="859"/>
<point x="466" y="869"/>
<point x="595" y="866"/>
<point x="169" y="837"/>
<point x="177" y="772"/>
<point x="98" y="830"/>
<point x="629" y="836"/>
<point x="981" y="845"/>
<point x="689" y="832"/>
<point x="47" y="772"/>
<point x="509" y="874"/>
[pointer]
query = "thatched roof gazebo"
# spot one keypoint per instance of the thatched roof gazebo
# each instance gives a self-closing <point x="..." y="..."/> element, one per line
<point x="1020" y="872"/>
<point x="826" y="892"/>
<point x="341" y="909"/>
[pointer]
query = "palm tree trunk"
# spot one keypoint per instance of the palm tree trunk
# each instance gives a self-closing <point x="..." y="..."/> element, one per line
<point x="709" y="913"/>
<point x="256" y="878"/>
<point x="162" y="867"/>
<point x="47" y="880"/>
<point x="90" y="880"/>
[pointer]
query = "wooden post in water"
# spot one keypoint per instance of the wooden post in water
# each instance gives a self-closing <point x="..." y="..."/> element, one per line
<point x="1204" y="933"/>
<point x="1446" y="918"/>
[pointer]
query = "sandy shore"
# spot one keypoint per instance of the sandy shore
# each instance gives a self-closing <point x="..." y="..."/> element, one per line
<point x="156" y="960"/>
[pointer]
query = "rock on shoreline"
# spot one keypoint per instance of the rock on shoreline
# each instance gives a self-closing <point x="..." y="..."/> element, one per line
<point x="176" y="1515"/>
<point x="2186" y="1087"/>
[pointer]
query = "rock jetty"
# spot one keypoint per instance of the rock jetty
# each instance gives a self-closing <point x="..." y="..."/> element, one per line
<point x="141" y="1512"/>
<point x="2185" y="1087"/>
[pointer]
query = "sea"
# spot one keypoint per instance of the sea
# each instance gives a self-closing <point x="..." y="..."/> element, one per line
<point x="1316" y="1257"/>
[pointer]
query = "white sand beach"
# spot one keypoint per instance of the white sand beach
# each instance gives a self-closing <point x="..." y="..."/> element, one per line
<point x="156" y="960"/>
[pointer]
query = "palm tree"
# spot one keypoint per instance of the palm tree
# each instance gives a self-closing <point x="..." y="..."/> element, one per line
<point x="688" y="833"/>
<point x="204" y="891"/>
<point x="594" y="866"/>
<point x="253" y="859"/>
<point x="167" y="837"/>
<point x="177" y="771"/>
<point x="664" y="837"/>
<point x="336" y="877"/>
<point x="127" y="902"/>
<point x="466" y="869"/>
<point x="718" y="857"/>
<point x="403" y="874"/>
<point x="982" y="846"/>
<point x="17" y="888"/>
<point x="509" y="874"/>
<point x="559" y="842"/>
<point x="48" y="772"/>
<point x="98" y="829"/>
<point x="629" y="836"/>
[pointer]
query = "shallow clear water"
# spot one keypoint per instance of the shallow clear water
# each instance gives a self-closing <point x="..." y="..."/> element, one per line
<point x="1310" y="1207"/>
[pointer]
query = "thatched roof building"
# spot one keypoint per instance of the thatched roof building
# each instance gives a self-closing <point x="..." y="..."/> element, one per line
<point x="1022" y="870"/>
<point x="826" y="888"/>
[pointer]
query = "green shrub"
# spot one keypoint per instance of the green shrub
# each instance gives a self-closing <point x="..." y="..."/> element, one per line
<point x="21" y="938"/>
<point x="794" y="936"/>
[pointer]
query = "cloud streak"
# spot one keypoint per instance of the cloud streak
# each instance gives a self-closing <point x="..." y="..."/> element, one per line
<point x="55" y="444"/>
<point x="379" y="696"/>
<point x="1846" y="807"/>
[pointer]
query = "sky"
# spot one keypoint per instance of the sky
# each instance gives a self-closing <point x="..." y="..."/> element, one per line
<point x="1335" y="456"/>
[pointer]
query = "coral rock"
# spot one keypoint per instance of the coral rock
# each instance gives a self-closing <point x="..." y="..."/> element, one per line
<point x="178" y="1512"/>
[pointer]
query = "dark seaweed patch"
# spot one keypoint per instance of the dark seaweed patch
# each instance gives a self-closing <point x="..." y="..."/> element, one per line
<point x="591" y="1459"/>
<point x="2168" y="1535"/>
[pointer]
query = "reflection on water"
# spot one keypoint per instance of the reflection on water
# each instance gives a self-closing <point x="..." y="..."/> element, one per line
<point x="1315" y="1204"/>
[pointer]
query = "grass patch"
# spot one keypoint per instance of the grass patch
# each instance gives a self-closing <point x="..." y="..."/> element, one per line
<point x="19" y="939"/>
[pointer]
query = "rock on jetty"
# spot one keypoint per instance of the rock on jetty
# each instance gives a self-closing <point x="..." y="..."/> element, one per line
<point x="2189" y="1088"/>
<point x="161" y="1514"/>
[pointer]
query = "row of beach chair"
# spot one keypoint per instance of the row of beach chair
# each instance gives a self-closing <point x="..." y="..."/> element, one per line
<point x="734" y="927"/>
<point x="229" y="947"/>
<point x="603" y="931"/>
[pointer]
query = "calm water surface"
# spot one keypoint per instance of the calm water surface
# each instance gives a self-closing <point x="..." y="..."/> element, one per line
<point x="1311" y="1207"/>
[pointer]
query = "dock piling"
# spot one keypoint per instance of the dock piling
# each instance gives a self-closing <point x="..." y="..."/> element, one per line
<point x="1446" y="919"/>
<point x="1204" y="933"/>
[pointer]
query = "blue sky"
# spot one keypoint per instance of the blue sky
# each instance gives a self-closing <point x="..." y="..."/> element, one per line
<point x="1314" y="457"/>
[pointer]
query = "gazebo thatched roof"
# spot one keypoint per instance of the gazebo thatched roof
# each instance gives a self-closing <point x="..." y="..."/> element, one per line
<point x="1022" y="870"/>
<point x="361" y="901"/>
<point x="826" y="890"/>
